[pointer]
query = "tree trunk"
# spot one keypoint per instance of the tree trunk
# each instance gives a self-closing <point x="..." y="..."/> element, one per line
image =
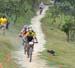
<point x="68" y="37"/>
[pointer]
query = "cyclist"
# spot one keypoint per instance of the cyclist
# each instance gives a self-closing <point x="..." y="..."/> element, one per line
<point x="23" y="32"/>
<point x="30" y="36"/>
<point x="22" y="35"/>
<point x="3" y="22"/>
<point x="0" y="21"/>
<point x="41" y="7"/>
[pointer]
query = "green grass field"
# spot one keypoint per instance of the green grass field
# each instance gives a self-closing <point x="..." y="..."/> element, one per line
<point x="5" y="50"/>
<point x="57" y="40"/>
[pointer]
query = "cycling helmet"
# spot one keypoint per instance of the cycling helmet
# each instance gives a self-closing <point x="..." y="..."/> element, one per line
<point x="25" y="26"/>
<point x="30" y="27"/>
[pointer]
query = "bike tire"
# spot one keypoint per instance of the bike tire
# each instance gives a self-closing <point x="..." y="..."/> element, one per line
<point x="30" y="53"/>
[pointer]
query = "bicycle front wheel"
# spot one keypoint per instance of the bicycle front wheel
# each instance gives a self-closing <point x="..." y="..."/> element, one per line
<point x="30" y="53"/>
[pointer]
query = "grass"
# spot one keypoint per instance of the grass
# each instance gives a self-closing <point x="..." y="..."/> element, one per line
<point x="5" y="49"/>
<point x="56" y="40"/>
<point x="9" y="42"/>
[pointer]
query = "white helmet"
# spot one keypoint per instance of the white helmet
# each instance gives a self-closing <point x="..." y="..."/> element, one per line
<point x="25" y="26"/>
<point x="30" y="27"/>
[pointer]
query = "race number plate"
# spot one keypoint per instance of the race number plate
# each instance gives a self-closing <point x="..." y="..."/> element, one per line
<point x="30" y="43"/>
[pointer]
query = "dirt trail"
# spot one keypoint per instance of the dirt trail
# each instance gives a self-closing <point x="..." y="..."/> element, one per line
<point x="21" y="59"/>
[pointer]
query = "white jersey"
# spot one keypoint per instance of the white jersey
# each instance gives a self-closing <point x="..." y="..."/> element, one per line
<point x="41" y="5"/>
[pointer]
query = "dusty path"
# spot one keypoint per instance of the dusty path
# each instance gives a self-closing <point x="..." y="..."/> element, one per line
<point x="21" y="59"/>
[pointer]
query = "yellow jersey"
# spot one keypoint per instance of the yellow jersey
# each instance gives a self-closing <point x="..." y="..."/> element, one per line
<point x="30" y="34"/>
<point x="3" y="21"/>
<point x="0" y="20"/>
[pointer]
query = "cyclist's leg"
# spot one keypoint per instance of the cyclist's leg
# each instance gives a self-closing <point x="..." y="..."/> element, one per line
<point x="23" y="40"/>
<point x="33" y="44"/>
<point x="27" y="46"/>
<point x="41" y="9"/>
<point x="4" y="29"/>
<point x="33" y="47"/>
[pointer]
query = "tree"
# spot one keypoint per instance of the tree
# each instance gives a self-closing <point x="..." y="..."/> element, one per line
<point x="69" y="29"/>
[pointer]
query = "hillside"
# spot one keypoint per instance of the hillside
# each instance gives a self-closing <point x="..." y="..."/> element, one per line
<point x="56" y="39"/>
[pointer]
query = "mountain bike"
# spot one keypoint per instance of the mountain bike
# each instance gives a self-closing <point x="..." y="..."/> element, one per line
<point x="30" y="50"/>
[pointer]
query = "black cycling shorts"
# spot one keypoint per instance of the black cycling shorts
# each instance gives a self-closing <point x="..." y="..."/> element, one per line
<point x="29" y="38"/>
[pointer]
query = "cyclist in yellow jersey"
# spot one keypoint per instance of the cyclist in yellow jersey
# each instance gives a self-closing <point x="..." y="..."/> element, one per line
<point x="0" y="21"/>
<point x="3" y="22"/>
<point x="30" y="33"/>
<point x="30" y="37"/>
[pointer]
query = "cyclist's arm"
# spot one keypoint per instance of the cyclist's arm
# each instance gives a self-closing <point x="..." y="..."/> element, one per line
<point x="35" y="37"/>
<point x="36" y="40"/>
